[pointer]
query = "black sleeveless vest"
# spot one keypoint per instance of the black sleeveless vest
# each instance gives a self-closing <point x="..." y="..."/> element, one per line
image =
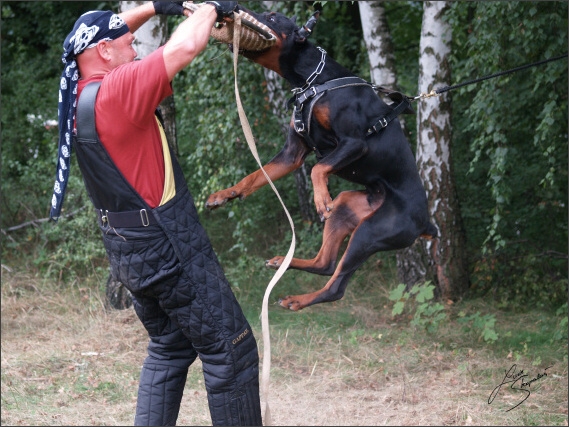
<point x="108" y="189"/>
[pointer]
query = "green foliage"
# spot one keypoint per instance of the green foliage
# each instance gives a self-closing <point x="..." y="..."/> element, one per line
<point x="560" y="333"/>
<point x="516" y="279"/>
<point x="419" y="301"/>
<point x="31" y="68"/>
<point x="482" y="323"/>
<point x="512" y="179"/>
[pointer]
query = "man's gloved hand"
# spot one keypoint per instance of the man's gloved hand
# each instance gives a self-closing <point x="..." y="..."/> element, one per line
<point x="224" y="9"/>
<point x="168" y="7"/>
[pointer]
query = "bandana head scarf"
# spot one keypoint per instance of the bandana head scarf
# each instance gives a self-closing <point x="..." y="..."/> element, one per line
<point x="90" y="29"/>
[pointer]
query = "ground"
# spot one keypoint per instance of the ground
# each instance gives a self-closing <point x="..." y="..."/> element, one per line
<point x="79" y="365"/>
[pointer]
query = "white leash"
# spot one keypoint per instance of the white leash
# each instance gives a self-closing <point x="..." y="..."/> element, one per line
<point x="265" y="308"/>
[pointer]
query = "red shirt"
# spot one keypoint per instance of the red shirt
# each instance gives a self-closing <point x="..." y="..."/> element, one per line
<point x="126" y="124"/>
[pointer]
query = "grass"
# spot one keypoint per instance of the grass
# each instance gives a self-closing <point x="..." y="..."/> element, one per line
<point x="66" y="360"/>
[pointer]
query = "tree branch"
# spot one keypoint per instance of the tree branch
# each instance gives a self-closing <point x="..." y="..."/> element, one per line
<point x="38" y="221"/>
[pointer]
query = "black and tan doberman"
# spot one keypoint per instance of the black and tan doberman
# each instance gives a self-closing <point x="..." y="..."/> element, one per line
<point x="354" y="135"/>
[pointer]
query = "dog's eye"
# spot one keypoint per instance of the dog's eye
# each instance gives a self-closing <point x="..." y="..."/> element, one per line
<point x="271" y="18"/>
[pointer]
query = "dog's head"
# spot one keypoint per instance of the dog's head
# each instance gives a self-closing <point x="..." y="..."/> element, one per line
<point x="289" y="37"/>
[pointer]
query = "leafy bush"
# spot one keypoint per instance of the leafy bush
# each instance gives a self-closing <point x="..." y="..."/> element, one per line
<point x="419" y="302"/>
<point x="483" y="323"/>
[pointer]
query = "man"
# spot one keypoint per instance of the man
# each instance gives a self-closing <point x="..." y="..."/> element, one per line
<point x="150" y="227"/>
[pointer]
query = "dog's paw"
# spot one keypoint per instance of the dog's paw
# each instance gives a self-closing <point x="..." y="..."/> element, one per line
<point x="274" y="263"/>
<point x="325" y="212"/>
<point x="220" y="198"/>
<point x="290" y="303"/>
<point x="215" y="204"/>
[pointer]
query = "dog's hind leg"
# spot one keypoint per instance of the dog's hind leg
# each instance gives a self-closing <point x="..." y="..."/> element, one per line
<point x="350" y="209"/>
<point x="386" y="229"/>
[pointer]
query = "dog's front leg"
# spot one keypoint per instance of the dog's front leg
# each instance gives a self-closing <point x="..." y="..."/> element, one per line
<point x="249" y="184"/>
<point x="287" y="160"/>
<point x="322" y="199"/>
<point x="347" y="151"/>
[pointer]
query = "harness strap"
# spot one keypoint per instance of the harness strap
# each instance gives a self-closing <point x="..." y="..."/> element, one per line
<point x="403" y="106"/>
<point x="89" y="149"/>
<point x="85" y="117"/>
<point x="312" y="94"/>
<point x="129" y="219"/>
<point x="300" y="98"/>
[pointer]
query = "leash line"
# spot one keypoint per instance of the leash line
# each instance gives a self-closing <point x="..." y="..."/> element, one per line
<point x="286" y="262"/>
<point x="444" y="89"/>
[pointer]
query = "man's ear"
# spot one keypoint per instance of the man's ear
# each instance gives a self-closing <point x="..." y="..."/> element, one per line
<point x="103" y="48"/>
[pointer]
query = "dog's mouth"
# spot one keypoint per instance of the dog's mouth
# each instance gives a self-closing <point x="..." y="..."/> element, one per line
<point x="255" y="35"/>
<point x="249" y="54"/>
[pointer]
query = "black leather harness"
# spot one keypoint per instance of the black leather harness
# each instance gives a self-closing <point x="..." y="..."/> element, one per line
<point x="309" y="94"/>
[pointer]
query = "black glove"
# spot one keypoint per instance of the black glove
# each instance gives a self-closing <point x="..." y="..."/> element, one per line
<point x="168" y="7"/>
<point x="224" y="9"/>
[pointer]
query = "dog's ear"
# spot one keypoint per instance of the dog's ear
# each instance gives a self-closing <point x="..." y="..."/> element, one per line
<point x="304" y="32"/>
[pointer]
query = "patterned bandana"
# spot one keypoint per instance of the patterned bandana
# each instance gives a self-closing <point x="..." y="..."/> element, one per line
<point x="90" y="28"/>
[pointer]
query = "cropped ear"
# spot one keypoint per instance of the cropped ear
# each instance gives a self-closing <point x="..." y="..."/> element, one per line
<point x="306" y="30"/>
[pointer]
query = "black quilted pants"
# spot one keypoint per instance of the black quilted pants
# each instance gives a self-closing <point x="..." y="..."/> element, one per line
<point x="183" y="299"/>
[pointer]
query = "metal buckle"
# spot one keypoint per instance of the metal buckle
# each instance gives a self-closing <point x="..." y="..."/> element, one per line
<point x="143" y="216"/>
<point x="383" y="123"/>
<point x="299" y="126"/>
<point x="104" y="217"/>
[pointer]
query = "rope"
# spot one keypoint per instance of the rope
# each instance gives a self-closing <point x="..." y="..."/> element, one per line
<point x="286" y="262"/>
<point x="439" y="91"/>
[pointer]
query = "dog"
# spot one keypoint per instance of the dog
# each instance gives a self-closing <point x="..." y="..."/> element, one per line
<point x="354" y="135"/>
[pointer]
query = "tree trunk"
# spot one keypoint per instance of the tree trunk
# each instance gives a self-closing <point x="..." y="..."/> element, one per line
<point x="442" y="260"/>
<point x="380" y="49"/>
<point x="378" y="43"/>
<point x="118" y="297"/>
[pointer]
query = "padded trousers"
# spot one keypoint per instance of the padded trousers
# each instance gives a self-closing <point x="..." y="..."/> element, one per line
<point x="180" y="292"/>
<point x="182" y="297"/>
<point x="230" y="372"/>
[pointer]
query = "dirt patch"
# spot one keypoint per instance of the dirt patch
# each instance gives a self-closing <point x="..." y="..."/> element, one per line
<point x="65" y="364"/>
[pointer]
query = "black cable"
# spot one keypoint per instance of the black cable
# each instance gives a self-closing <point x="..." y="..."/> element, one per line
<point x="523" y="67"/>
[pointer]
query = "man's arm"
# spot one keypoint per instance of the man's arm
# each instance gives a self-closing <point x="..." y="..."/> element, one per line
<point x="137" y="16"/>
<point x="189" y="39"/>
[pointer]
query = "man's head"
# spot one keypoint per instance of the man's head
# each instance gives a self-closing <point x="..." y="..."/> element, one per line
<point x="90" y="29"/>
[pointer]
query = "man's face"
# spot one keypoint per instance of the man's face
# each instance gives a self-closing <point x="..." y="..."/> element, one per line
<point x="121" y="50"/>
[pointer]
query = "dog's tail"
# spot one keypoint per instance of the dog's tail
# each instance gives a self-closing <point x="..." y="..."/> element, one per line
<point x="430" y="231"/>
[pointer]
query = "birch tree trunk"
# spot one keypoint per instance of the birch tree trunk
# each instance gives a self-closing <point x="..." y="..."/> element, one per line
<point x="442" y="260"/>
<point x="378" y="43"/>
<point x="379" y="48"/>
